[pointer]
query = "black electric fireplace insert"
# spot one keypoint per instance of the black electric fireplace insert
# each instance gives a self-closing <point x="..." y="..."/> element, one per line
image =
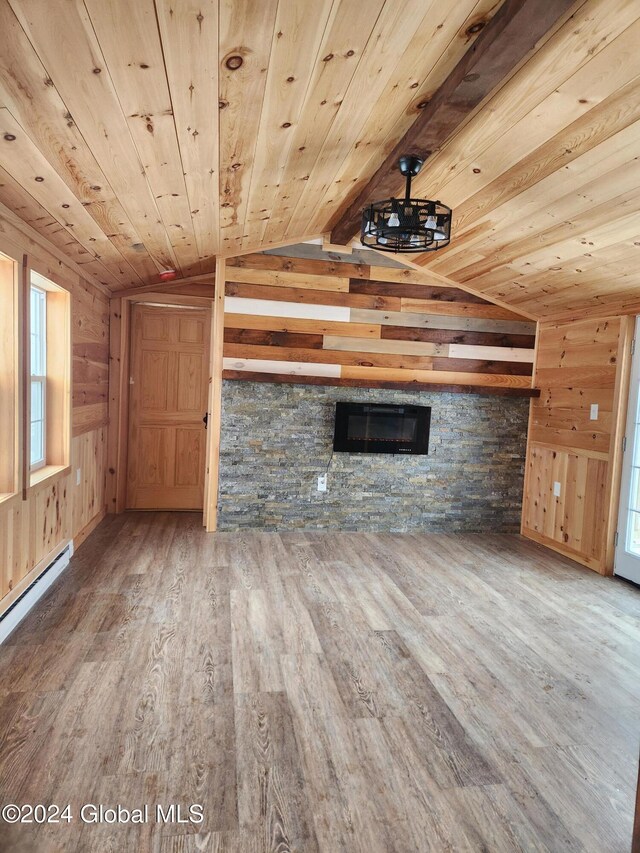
<point x="381" y="428"/>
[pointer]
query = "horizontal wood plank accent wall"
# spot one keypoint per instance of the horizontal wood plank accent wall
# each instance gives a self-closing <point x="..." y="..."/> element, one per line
<point x="577" y="364"/>
<point x="366" y="324"/>
<point x="58" y="509"/>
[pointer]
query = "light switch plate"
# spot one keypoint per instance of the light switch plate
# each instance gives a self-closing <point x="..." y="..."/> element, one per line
<point x="556" y="489"/>
<point x="322" y="483"/>
<point x="594" y="412"/>
<point x="78" y="472"/>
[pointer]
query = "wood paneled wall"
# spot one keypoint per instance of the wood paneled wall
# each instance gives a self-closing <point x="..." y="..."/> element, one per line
<point x="54" y="512"/>
<point x="577" y="364"/>
<point x="360" y="324"/>
<point x="90" y="341"/>
<point x="60" y="509"/>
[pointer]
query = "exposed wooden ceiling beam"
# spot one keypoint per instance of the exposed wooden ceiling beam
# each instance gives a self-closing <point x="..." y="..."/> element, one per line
<point x="505" y="41"/>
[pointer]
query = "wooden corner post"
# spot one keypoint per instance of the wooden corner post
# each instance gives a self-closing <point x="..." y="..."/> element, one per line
<point x="116" y="486"/>
<point x="215" y="402"/>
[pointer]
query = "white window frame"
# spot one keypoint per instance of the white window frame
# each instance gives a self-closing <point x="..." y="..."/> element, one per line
<point x="38" y="377"/>
<point x="10" y="373"/>
<point x="627" y="557"/>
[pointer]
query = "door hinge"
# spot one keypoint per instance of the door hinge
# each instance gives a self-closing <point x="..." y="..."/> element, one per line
<point x="615" y="539"/>
<point x="633" y="345"/>
<point x="624" y="443"/>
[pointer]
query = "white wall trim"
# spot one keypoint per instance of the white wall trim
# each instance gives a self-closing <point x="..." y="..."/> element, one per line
<point x="34" y="592"/>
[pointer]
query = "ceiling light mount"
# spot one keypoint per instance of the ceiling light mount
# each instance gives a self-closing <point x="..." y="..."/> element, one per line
<point x="410" y="165"/>
<point x="408" y="224"/>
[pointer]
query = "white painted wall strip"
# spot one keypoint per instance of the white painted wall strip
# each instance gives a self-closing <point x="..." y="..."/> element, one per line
<point x="491" y="353"/>
<point x="289" y="367"/>
<point x="271" y="308"/>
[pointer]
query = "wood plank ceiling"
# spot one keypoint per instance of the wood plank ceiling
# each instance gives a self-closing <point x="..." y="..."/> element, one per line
<point x="544" y="179"/>
<point x="159" y="134"/>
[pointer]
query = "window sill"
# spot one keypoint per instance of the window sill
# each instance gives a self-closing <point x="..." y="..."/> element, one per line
<point x="48" y="472"/>
<point x="6" y="496"/>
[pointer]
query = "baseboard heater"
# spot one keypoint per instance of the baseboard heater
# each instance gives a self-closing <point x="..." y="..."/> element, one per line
<point x="16" y="612"/>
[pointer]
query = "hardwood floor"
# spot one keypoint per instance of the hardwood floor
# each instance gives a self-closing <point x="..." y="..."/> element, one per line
<point x="324" y="692"/>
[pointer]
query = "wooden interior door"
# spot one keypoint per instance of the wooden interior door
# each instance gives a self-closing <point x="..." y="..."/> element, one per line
<point x="168" y="394"/>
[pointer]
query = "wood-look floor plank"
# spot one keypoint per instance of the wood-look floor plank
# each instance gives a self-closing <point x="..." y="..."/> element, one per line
<point x="336" y="787"/>
<point x="276" y="807"/>
<point x="324" y="691"/>
<point x="432" y="721"/>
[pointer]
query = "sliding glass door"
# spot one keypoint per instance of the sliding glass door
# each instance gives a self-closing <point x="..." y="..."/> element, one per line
<point x="627" y="559"/>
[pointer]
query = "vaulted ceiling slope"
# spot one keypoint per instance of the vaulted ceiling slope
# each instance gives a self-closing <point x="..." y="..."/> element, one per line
<point x="545" y="178"/>
<point x="147" y="135"/>
<point x="161" y="133"/>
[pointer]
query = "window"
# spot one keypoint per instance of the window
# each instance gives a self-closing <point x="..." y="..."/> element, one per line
<point x="48" y="419"/>
<point x="38" y="334"/>
<point x="9" y="377"/>
<point x="35" y="377"/>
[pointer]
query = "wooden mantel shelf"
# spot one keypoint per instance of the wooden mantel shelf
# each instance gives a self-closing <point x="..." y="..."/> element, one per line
<point x="501" y="391"/>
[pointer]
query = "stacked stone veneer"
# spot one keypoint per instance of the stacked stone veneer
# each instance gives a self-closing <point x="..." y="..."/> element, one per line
<point x="277" y="439"/>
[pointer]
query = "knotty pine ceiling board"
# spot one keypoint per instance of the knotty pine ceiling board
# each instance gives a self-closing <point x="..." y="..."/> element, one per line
<point x="130" y="44"/>
<point x="63" y="37"/>
<point x="24" y="206"/>
<point x="545" y="182"/>
<point x="22" y="159"/>
<point x="295" y="54"/>
<point x="344" y="40"/>
<point x="399" y="68"/>
<point x="432" y="52"/>
<point x="188" y="28"/>
<point x="139" y="137"/>
<point x="27" y="92"/>
<point x="315" y="251"/>
<point x="244" y="49"/>
<point x="189" y="129"/>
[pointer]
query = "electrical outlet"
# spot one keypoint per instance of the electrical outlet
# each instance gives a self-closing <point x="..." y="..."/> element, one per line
<point x="556" y="489"/>
<point x="594" y="412"/>
<point x="78" y="472"/>
<point x="322" y="483"/>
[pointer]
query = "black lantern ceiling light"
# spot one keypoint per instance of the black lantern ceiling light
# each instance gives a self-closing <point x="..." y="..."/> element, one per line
<point x="408" y="224"/>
